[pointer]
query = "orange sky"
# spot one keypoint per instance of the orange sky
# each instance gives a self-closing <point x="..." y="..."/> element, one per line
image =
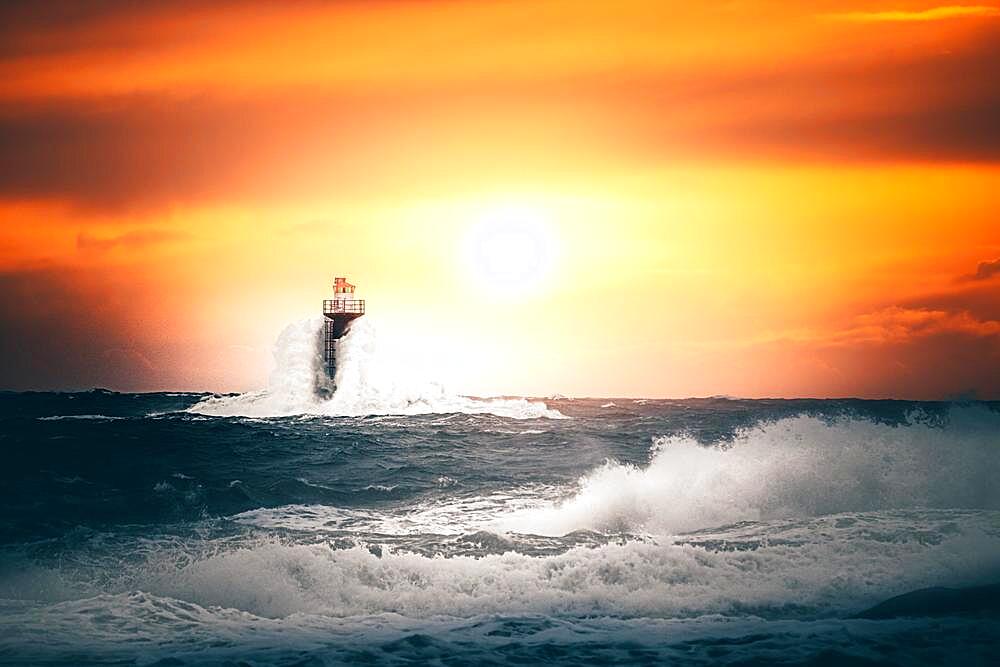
<point x="749" y="198"/>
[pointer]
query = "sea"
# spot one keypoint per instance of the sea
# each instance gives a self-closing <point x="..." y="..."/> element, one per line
<point x="384" y="520"/>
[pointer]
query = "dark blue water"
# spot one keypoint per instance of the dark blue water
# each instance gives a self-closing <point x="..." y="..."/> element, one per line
<point x="703" y="531"/>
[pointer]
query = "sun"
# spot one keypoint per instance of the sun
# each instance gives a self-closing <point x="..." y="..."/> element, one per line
<point x="510" y="252"/>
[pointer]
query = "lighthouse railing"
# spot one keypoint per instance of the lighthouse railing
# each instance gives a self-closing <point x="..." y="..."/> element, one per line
<point x="353" y="306"/>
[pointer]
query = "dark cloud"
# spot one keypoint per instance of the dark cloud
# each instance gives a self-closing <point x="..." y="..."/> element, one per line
<point x="75" y="329"/>
<point x="978" y="298"/>
<point x="68" y="26"/>
<point x="935" y="106"/>
<point x="985" y="271"/>
<point x="120" y="152"/>
<point x="940" y="365"/>
<point x="64" y="26"/>
<point x="917" y="352"/>
<point x="107" y="327"/>
<point x="150" y="151"/>
<point x="958" y="131"/>
<point x="153" y="150"/>
<point x="55" y="329"/>
<point x="937" y="346"/>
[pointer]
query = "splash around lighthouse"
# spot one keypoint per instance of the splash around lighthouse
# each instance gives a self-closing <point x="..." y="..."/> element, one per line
<point x="336" y="364"/>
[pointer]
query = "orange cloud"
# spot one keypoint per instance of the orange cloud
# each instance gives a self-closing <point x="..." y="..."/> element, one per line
<point x="985" y="271"/>
<point x="894" y="352"/>
<point x="133" y="239"/>
<point x="888" y="326"/>
<point x="152" y="150"/>
<point x="932" y="14"/>
<point x="896" y="324"/>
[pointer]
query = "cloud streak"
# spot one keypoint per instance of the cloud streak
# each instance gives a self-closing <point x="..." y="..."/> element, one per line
<point x="933" y="14"/>
<point x="131" y="240"/>
<point x="159" y="149"/>
<point x="892" y="325"/>
<point x="297" y="125"/>
<point x="897" y="351"/>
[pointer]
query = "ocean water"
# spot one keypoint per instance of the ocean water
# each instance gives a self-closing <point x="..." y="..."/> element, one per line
<point x="395" y="522"/>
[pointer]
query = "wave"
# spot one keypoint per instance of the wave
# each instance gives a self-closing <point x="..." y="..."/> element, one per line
<point x="816" y="568"/>
<point x="370" y="380"/>
<point x="794" y="467"/>
<point x="88" y="417"/>
<point x="173" y="632"/>
<point x="938" y="601"/>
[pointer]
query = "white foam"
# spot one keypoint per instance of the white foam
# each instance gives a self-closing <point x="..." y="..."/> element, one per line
<point x="801" y="466"/>
<point x="836" y="566"/>
<point x="370" y="380"/>
<point x="450" y="516"/>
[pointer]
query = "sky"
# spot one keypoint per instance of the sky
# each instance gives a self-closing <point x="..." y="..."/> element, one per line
<point x="637" y="198"/>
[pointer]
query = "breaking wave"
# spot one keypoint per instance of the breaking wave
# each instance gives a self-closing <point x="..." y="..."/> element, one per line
<point x="828" y="566"/>
<point x="370" y="380"/>
<point x="630" y="579"/>
<point x="795" y="467"/>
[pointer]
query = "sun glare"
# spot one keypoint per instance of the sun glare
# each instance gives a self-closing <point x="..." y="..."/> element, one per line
<point x="510" y="251"/>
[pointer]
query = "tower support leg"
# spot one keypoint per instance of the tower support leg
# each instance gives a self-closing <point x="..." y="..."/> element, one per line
<point x="334" y="329"/>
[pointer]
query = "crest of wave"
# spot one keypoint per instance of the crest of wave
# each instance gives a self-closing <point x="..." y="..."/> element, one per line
<point x="833" y="568"/>
<point x="796" y="467"/>
<point x="371" y="379"/>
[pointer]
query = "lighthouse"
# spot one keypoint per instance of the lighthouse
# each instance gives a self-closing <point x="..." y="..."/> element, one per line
<point x="338" y="313"/>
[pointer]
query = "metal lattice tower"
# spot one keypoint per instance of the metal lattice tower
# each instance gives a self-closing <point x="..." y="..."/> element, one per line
<point x="338" y="313"/>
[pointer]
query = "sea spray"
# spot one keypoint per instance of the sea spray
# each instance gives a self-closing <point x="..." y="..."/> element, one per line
<point x="371" y="379"/>
<point x="795" y="467"/>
